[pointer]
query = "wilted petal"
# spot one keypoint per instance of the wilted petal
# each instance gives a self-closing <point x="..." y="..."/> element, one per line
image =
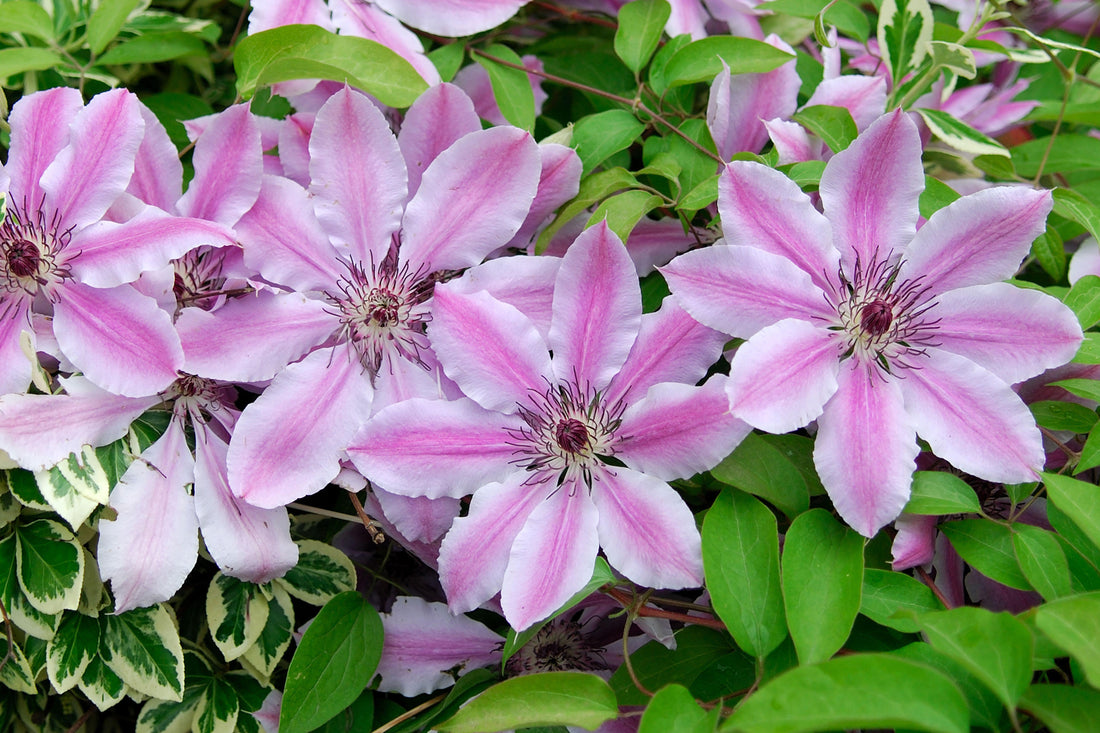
<point x="402" y="446"/>
<point x="764" y="368"/>
<point x="870" y="221"/>
<point x="475" y="553"/>
<point x="37" y="136"/>
<point x="147" y="552"/>
<point x="551" y="557"/>
<point x="597" y="309"/>
<point x="452" y="17"/>
<point x="229" y="168"/>
<point x="424" y="641"/>
<point x="418" y="518"/>
<point x="647" y="531"/>
<point x="119" y="338"/>
<point x="437" y="119"/>
<point x="288" y="443"/>
<point x="972" y="419"/>
<point x="245" y="541"/>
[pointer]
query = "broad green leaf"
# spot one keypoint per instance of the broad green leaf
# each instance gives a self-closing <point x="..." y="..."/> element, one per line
<point x="834" y="125"/>
<point x="17" y="60"/>
<point x="448" y="59"/>
<point x="236" y="613"/>
<point x="1090" y="451"/>
<point x="702" y="60"/>
<point x="1072" y="205"/>
<point x="154" y="47"/>
<point x="264" y="655"/>
<point x="959" y="60"/>
<point x="904" y="35"/>
<point x="549" y="698"/>
<point x="939" y="493"/>
<point x="468" y="685"/>
<point x="16" y="673"/>
<point x="511" y="87"/>
<point x="806" y="174"/>
<point x="641" y="24"/>
<point x="167" y="716"/>
<point x="822" y="573"/>
<point x="894" y="599"/>
<point x="106" y="22"/>
<point x="624" y="210"/>
<point x="1074" y="625"/>
<point x="100" y="684"/>
<point x="143" y="648"/>
<point x="698" y="649"/>
<point x="762" y="467"/>
<point x="674" y="708"/>
<point x="217" y="709"/>
<point x="1042" y="560"/>
<point x="1065" y="154"/>
<point x="994" y="647"/>
<point x="987" y="546"/>
<point x="1063" y="709"/>
<point x="959" y="135"/>
<point x="26" y="17"/>
<point x="847" y="18"/>
<point x="935" y="196"/>
<point x="1049" y="251"/>
<point x="598" y="136"/>
<point x="1084" y="300"/>
<point x="321" y="573"/>
<point x="1055" y="415"/>
<point x="71" y="649"/>
<point x="333" y="663"/>
<point x="75" y="487"/>
<point x="986" y="711"/>
<point x="741" y="563"/>
<point x="593" y="188"/>
<point x="1078" y="500"/>
<point x="50" y="564"/>
<point x="700" y="197"/>
<point x="857" y="691"/>
<point x="658" y="77"/>
<point x="299" y="51"/>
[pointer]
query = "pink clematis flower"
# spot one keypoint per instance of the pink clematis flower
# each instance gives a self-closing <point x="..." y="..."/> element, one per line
<point x="877" y="330"/>
<point x="564" y="454"/>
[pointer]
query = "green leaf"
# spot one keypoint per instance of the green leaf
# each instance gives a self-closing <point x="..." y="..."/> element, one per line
<point x="50" y="564"/>
<point x="1078" y="500"/>
<point x="987" y="546"/>
<point x="154" y="47"/>
<point x="511" y="87"/>
<point x="939" y="493"/>
<point x="1084" y="300"/>
<point x="894" y="599"/>
<point x="448" y="59"/>
<point x="333" y="663"/>
<point x="26" y="17"/>
<point x="597" y="137"/>
<point x="958" y="60"/>
<point x="75" y="487"/>
<point x="834" y="125"/>
<point x="641" y="24"/>
<point x="593" y="188"/>
<point x="1062" y="708"/>
<point x="700" y="197"/>
<point x="741" y="563"/>
<point x="857" y="691"/>
<point x="321" y="573"/>
<point x="847" y="18"/>
<point x="674" y="708"/>
<point x="904" y="35"/>
<point x="1075" y="207"/>
<point x="1090" y="451"/>
<point x="100" y="683"/>
<point x="1055" y="415"/>
<point x="994" y="647"/>
<point x="1074" y="625"/>
<point x="107" y="21"/>
<point x="217" y="709"/>
<point x="265" y="654"/>
<point x="1089" y="353"/>
<point x="624" y="210"/>
<point x="658" y="78"/>
<point x="702" y="60"/>
<point x="986" y="711"/>
<point x="143" y="648"/>
<point x="935" y="196"/>
<point x="822" y="583"/>
<point x="697" y="650"/>
<point x="1087" y="388"/>
<point x="1049" y="251"/>
<point x="959" y="135"/>
<point x="761" y="466"/>
<point x="236" y="613"/>
<point x="306" y="51"/>
<point x="16" y="673"/>
<point x="71" y="649"/>
<point x="549" y="698"/>
<point x="17" y="60"/>
<point x="1042" y="560"/>
<point x="1067" y="153"/>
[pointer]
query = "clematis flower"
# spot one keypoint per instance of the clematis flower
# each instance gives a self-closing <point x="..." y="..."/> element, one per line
<point x="878" y="330"/>
<point x="564" y="454"/>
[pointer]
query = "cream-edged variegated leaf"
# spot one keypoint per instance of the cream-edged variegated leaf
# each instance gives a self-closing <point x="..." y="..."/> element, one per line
<point x="904" y="35"/>
<point x="953" y="57"/>
<point x="9" y="507"/>
<point x="16" y="674"/>
<point x="101" y="685"/>
<point x="236" y="612"/>
<point x="218" y="708"/>
<point x="70" y="650"/>
<point x="321" y="573"/>
<point x="166" y="716"/>
<point x="959" y="135"/>
<point x="143" y="648"/>
<point x="262" y="657"/>
<point x="74" y="487"/>
<point x="50" y="565"/>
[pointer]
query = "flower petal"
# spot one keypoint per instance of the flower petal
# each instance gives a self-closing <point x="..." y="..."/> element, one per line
<point x="418" y="518"/>
<point x="356" y="18"/>
<point x="559" y="182"/>
<point x="37" y="138"/>
<point x="229" y="167"/>
<point x="866" y="449"/>
<point x="437" y="120"/>
<point x="452" y="18"/>
<point x="158" y="173"/>
<point x="740" y="103"/>
<point x="525" y="282"/>
<point x="15" y="366"/>
<point x="915" y="541"/>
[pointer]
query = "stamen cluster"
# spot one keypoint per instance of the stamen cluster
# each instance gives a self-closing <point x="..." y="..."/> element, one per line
<point x="30" y="243"/>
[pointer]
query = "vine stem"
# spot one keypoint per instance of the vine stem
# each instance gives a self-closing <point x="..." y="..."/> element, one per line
<point x="927" y="580"/>
<point x="639" y="610"/>
<point x="410" y="713"/>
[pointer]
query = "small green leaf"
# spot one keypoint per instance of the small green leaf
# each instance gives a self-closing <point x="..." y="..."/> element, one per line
<point x="1072" y="205"/>
<point x="549" y="698"/>
<point x="1090" y="451"/>
<point x="321" y="573"/>
<point x="593" y="188"/>
<point x="107" y="21"/>
<point x="50" y="564"/>
<point x="641" y="24"/>
<point x="1074" y="625"/>
<point x="1042" y="560"/>
<point x="1084" y="300"/>
<point x="959" y="135"/>
<point x="448" y="59"/>
<point x="26" y="17"/>
<point x="1055" y="415"/>
<point x="700" y="197"/>
<point x="834" y="125"/>
<point x="1078" y="500"/>
<point x="624" y="210"/>
<point x="987" y="546"/>
<point x="511" y="87"/>
<point x="674" y="708"/>
<point x="1089" y="353"/>
<point x="143" y="648"/>
<point x="598" y="136"/>
<point x="697" y="650"/>
<point x="904" y="35"/>
<point x="894" y="599"/>
<point x="939" y="493"/>
<point x="741" y="563"/>
<point x="236" y="613"/>
<point x="1062" y="708"/>
<point x="17" y="60"/>
<point x="154" y="47"/>
<point x="333" y="663"/>
<point x="1049" y="251"/>
<point x="702" y="60"/>
<point x="762" y="467"/>
<point x="71" y="649"/>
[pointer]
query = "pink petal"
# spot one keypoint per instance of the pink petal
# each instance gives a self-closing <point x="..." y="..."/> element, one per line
<point x="401" y="448"/>
<point x="158" y="173"/>
<point x="251" y="338"/>
<point x="688" y="16"/>
<point x="423" y="642"/>
<point x="525" y="282"/>
<point x="359" y="181"/>
<point x="274" y="13"/>
<point x="472" y="199"/>
<point x="401" y="379"/>
<point x="740" y="290"/>
<point x="647" y="531"/>
<point x="915" y="542"/>
<point x="957" y="406"/>
<point x="246" y="542"/>
<point x="871" y="220"/>
<point x="762" y="208"/>
<point x="475" y="553"/>
<point x="15" y="366"/>
<point x="438" y="119"/>
<point x="788" y="353"/>
<point x="490" y="349"/>
<point x="740" y="103"/>
<point x="37" y="138"/>
<point x="863" y="96"/>
<point x="418" y="518"/>
<point x="866" y="448"/>
<point x="229" y="166"/>
<point x="597" y="309"/>
<point x="288" y="443"/>
<point x="356" y="18"/>
<point x="551" y="557"/>
<point x="147" y="552"/>
<point x="559" y="182"/>
<point x="1012" y="332"/>
<point x="792" y="142"/>
<point x="294" y="147"/>
<point x="680" y="430"/>
<point x="978" y="239"/>
<point x="119" y="338"/>
<point x="452" y="17"/>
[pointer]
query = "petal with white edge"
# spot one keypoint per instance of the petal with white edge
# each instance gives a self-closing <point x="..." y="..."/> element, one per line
<point x="437" y="119"/>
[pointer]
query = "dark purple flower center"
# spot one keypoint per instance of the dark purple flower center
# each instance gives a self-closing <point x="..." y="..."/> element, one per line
<point x="29" y="244"/>
<point x="198" y="278"/>
<point x="876" y="317"/>
<point x="572" y="435"/>
<point x="558" y="646"/>
<point x="22" y="257"/>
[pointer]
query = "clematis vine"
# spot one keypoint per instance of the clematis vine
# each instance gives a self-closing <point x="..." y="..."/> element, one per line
<point x="564" y="454"/>
<point x="876" y="329"/>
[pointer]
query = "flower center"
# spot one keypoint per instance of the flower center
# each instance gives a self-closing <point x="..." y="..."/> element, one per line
<point x="198" y="277"/>
<point x="571" y="434"/>
<point x="29" y="245"/>
<point x="557" y="647"/>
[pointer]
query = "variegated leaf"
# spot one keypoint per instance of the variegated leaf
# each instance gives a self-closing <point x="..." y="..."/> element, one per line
<point x="236" y="612"/>
<point x="218" y="708"/>
<point x="322" y="572"/>
<point x="16" y="673"/>
<point x="959" y="135"/>
<point x="74" y="489"/>
<point x="142" y="647"/>
<point x="904" y="35"/>
<point x="100" y="684"/>
<point x="71" y="649"/>
<point x="262" y="657"/>
<point x="50" y="565"/>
